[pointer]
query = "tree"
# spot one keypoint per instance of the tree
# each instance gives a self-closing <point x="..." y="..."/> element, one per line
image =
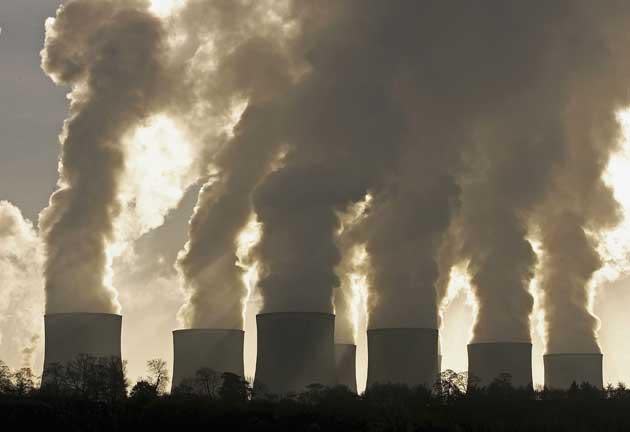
<point x="158" y="375"/>
<point x="6" y="383"/>
<point x="24" y="381"/>
<point x="113" y="373"/>
<point x="143" y="391"/>
<point x="208" y="382"/>
<point x="234" y="388"/>
<point x="451" y="386"/>
<point x="54" y="381"/>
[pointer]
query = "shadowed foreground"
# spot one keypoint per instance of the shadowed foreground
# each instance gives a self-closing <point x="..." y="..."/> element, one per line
<point x="88" y="395"/>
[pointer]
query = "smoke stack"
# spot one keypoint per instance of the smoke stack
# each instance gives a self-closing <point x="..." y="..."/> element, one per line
<point x="218" y="349"/>
<point x="295" y="349"/>
<point x="487" y="361"/>
<point x="345" y="363"/>
<point x="561" y="370"/>
<point x="67" y="335"/>
<point x="403" y="356"/>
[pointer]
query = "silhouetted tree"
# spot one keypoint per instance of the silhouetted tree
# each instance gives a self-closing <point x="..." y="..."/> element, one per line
<point x="6" y="379"/>
<point x="143" y="391"/>
<point x="54" y="380"/>
<point x="158" y="375"/>
<point x="451" y="386"/>
<point x="208" y="382"/>
<point x="234" y="389"/>
<point x="24" y="381"/>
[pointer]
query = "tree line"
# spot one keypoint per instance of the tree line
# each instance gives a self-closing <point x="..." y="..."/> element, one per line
<point x="94" y="394"/>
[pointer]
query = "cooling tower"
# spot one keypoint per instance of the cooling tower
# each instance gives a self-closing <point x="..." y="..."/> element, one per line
<point x="345" y="365"/>
<point x="561" y="370"/>
<point x="217" y="349"/>
<point x="402" y="356"/>
<point x="487" y="361"/>
<point x="67" y="335"/>
<point x="295" y="349"/>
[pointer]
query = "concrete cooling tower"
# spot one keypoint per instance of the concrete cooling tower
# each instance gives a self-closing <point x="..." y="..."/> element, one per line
<point x="487" y="361"/>
<point x="561" y="370"/>
<point x="67" y="335"/>
<point x="217" y="349"/>
<point x="295" y="349"/>
<point x="345" y="365"/>
<point x="402" y="356"/>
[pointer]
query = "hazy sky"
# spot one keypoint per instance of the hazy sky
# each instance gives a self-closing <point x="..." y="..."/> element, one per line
<point x="32" y="110"/>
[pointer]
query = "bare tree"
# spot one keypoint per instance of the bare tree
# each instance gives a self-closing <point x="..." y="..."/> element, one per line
<point x="24" y="381"/>
<point x="158" y="375"/>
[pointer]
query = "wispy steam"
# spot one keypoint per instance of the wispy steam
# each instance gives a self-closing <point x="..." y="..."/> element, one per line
<point x="21" y="288"/>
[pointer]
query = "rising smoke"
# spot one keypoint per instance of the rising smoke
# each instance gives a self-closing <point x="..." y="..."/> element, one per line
<point x="111" y="54"/>
<point x="494" y="123"/>
<point x="21" y="302"/>
<point x="238" y="51"/>
<point x="579" y="206"/>
<point x="472" y="124"/>
<point x="538" y="148"/>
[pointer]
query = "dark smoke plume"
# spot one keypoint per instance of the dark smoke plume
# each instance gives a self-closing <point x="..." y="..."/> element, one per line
<point x="110" y="52"/>
<point x="580" y="206"/>
<point x="538" y="159"/>
<point x="438" y="109"/>
<point x="250" y="68"/>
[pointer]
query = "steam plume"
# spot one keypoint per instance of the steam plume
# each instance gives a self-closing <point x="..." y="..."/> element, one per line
<point x="110" y="52"/>
<point x="540" y="141"/>
<point x="247" y="66"/>
<point x="21" y="285"/>
<point x="580" y="207"/>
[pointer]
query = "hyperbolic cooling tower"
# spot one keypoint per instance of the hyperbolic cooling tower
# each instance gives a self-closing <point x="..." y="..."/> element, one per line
<point x="402" y="356"/>
<point x="67" y="335"/>
<point x="345" y="364"/>
<point x="295" y="349"/>
<point x="487" y="361"/>
<point x="561" y="370"/>
<point x="218" y="349"/>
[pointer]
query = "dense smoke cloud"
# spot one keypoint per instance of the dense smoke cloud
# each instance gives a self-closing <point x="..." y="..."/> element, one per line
<point x="472" y="128"/>
<point x="21" y="284"/>
<point x="110" y="52"/>
<point x="238" y="62"/>
<point x="477" y="123"/>
<point x="338" y="113"/>
<point x="540" y="143"/>
<point x="579" y="206"/>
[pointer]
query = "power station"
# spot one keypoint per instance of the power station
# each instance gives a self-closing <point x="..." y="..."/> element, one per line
<point x="220" y="350"/>
<point x="562" y="370"/>
<point x="68" y="335"/>
<point x="345" y="365"/>
<point x="402" y="356"/>
<point x="488" y="361"/>
<point x="295" y="349"/>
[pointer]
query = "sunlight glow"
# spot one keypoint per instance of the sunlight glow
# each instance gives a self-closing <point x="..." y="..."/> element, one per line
<point x="164" y="8"/>
<point x="537" y="317"/>
<point x="359" y="289"/>
<point x="459" y="283"/>
<point x="247" y="239"/>
<point x="615" y="244"/>
<point x="158" y="171"/>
